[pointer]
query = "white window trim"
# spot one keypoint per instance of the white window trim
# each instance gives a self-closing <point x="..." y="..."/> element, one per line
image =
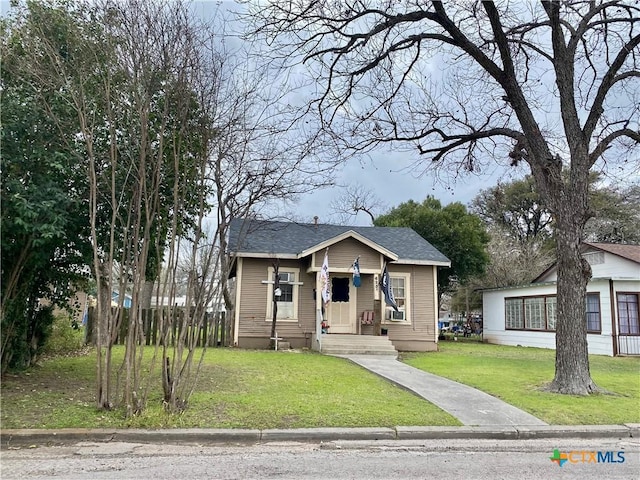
<point x="407" y="301"/>
<point x="296" y="293"/>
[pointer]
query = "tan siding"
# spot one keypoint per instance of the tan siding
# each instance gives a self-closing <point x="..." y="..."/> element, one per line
<point x="424" y="310"/>
<point x="253" y="306"/>
<point x="306" y="302"/>
<point x="365" y="294"/>
<point x="254" y="329"/>
<point x="422" y="327"/>
<point x="342" y="255"/>
<point x="253" y="302"/>
<point x="365" y="298"/>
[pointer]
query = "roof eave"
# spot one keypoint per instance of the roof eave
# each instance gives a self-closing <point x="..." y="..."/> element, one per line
<point x="282" y="256"/>
<point x="409" y="261"/>
<point x="554" y="282"/>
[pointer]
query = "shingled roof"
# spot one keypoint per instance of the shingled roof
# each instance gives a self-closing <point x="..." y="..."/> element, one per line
<point x="289" y="239"/>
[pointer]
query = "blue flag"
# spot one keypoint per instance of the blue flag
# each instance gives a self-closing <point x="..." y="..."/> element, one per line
<point x="356" y="272"/>
<point x="385" y="286"/>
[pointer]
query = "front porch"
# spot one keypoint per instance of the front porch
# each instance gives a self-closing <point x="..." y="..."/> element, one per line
<point x="344" y="344"/>
<point x="344" y="333"/>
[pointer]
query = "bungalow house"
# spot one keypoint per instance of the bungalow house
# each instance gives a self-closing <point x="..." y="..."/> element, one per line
<point x="526" y="315"/>
<point x="356" y="319"/>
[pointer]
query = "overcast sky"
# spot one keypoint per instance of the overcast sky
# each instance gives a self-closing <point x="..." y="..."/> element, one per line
<point x="388" y="178"/>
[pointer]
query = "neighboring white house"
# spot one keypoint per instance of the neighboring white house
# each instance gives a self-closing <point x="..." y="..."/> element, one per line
<point x="526" y="315"/>
<point x="181" y="301"/>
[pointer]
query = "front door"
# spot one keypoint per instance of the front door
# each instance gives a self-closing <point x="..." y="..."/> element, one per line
<point x="342" y="308"/>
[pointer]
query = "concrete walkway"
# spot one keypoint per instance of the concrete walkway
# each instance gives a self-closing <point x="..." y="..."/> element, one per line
<point x="470" y="406"/>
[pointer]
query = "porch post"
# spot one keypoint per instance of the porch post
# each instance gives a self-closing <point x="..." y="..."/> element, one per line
<point x="318" y="312"/>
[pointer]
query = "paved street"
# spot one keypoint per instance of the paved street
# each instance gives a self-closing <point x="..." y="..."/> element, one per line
<point x="438" y="459"/>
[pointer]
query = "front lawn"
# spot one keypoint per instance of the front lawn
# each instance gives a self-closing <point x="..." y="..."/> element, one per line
<point x="237" y="389"/>
<point x="516" y="375"/>
<point x="264" y="389"/>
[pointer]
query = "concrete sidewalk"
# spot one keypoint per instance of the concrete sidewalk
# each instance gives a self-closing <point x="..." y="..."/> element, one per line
<point x="472" y="407"/>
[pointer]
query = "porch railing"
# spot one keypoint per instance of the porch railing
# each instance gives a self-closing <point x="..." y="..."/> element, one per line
<point x="628" y="344"/>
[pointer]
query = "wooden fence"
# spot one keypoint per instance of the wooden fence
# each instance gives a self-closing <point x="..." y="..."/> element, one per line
<point x="215" y="330"/>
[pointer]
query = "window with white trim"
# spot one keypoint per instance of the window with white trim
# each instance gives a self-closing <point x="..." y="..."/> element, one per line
<point x="400" y="286"/>
<point x="287" y="300"/>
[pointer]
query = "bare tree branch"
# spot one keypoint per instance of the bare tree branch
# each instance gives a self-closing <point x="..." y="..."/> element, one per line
<point x="355" y="199"/>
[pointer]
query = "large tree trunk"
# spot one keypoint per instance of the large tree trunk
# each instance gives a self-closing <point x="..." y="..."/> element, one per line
<point x="572" y="360"/>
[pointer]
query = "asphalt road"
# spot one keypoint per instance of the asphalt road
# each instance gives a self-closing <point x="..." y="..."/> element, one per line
<point x="394" y="459"/>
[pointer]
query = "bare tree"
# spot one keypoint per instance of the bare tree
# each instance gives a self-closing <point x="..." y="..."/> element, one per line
<point x="355" y="199"/>
<point x="554" y="85"/>
<point x="258" y="157"/>
<point x="159" y="136"/>
<point x="511" y="261"/>
<point x="250" y="157"/>
<point x="170" y="126"/>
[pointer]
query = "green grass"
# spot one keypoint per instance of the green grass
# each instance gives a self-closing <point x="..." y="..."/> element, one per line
<point x="237" y="389"/>
<point x="516" y="375"/>
<point x="265" y="389"/>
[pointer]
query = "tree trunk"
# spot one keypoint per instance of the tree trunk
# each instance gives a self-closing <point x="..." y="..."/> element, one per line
<point x="572" y="360"/>
<point x="147" y="294"/>
<point x="103" y="327"/>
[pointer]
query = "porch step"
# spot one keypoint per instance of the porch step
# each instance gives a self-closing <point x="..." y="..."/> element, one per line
<point x="336" y="344"/>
